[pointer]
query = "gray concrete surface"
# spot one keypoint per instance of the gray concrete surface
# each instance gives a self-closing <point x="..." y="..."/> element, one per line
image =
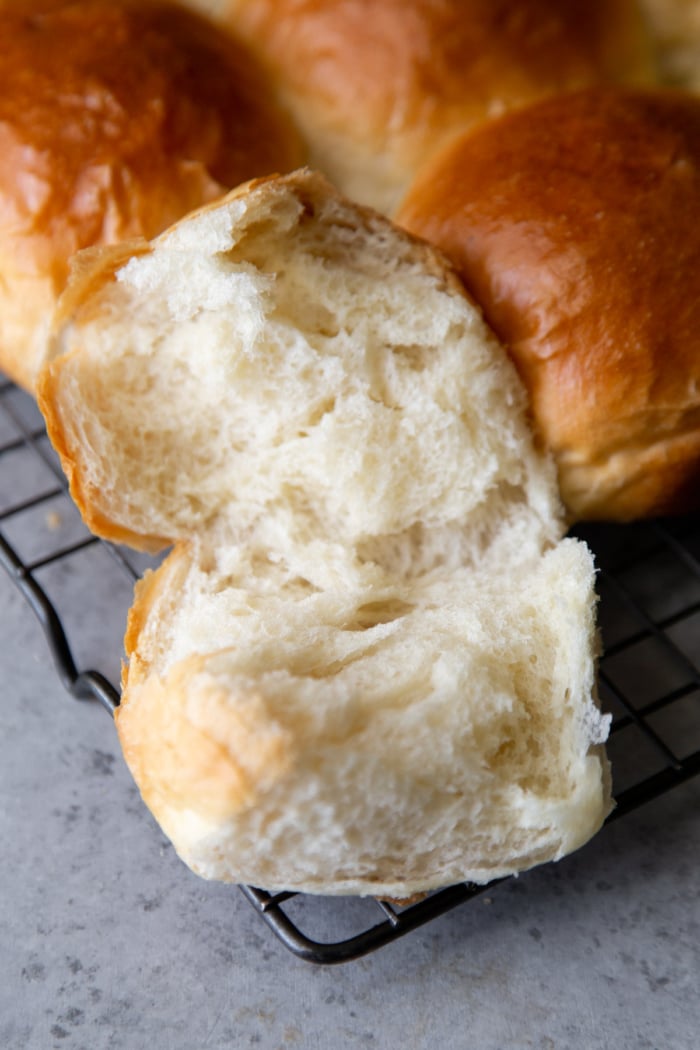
<point x="108" y="941"/>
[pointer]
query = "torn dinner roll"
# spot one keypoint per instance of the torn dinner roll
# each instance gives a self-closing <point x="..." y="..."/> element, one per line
<point x="368" y="665"/>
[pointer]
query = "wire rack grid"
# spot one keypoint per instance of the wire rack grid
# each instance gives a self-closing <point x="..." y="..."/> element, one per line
<point x="649" y="586"/>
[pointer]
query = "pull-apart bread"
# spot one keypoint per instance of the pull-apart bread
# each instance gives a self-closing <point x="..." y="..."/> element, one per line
<point x="115" y="120"/>
<point x="368" y="665"/>
<point x="377" y="86"/>
<point x="582" y="246"/>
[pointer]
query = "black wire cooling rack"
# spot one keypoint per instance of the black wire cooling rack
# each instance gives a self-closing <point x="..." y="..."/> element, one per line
<point x="649" y="585"/>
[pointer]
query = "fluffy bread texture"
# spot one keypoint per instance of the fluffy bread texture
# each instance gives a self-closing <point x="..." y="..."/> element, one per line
<point x="582" y="246"/>
<point x="354" y="731"/>
<point x="241" y="360"/>
<point x="377" y="86"/>
<point x="115" y="120"/>
<point x="368" y="665"/>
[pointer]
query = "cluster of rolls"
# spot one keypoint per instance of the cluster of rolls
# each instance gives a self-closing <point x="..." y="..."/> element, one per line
<point x="468" y="123"/>
<point x="356" y="401"/>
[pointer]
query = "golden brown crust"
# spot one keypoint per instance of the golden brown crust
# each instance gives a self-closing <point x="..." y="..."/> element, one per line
<point x="379" y="84"/>
<point x="153" y="587"/>
<point x="91" y="271"/>
<point x="583" y="247"/>
<point x="115" y="120"/>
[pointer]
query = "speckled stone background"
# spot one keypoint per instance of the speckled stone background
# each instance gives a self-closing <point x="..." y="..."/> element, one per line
<point x="108" y="941"/>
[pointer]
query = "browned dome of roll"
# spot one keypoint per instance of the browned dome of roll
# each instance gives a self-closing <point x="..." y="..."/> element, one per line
<point x="576" y="225"/>
<point x="376" y="85"/>
<point x="115" y="120"/>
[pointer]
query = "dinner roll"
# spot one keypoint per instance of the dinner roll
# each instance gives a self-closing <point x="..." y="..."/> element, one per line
<point x="368" y="666"/>
<point x="576" y="225"/>
<point x="377" y="85"/>
<point x="298" y="724"/>
<point x="256" y="354"/>
<point x="115" y="119"/>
